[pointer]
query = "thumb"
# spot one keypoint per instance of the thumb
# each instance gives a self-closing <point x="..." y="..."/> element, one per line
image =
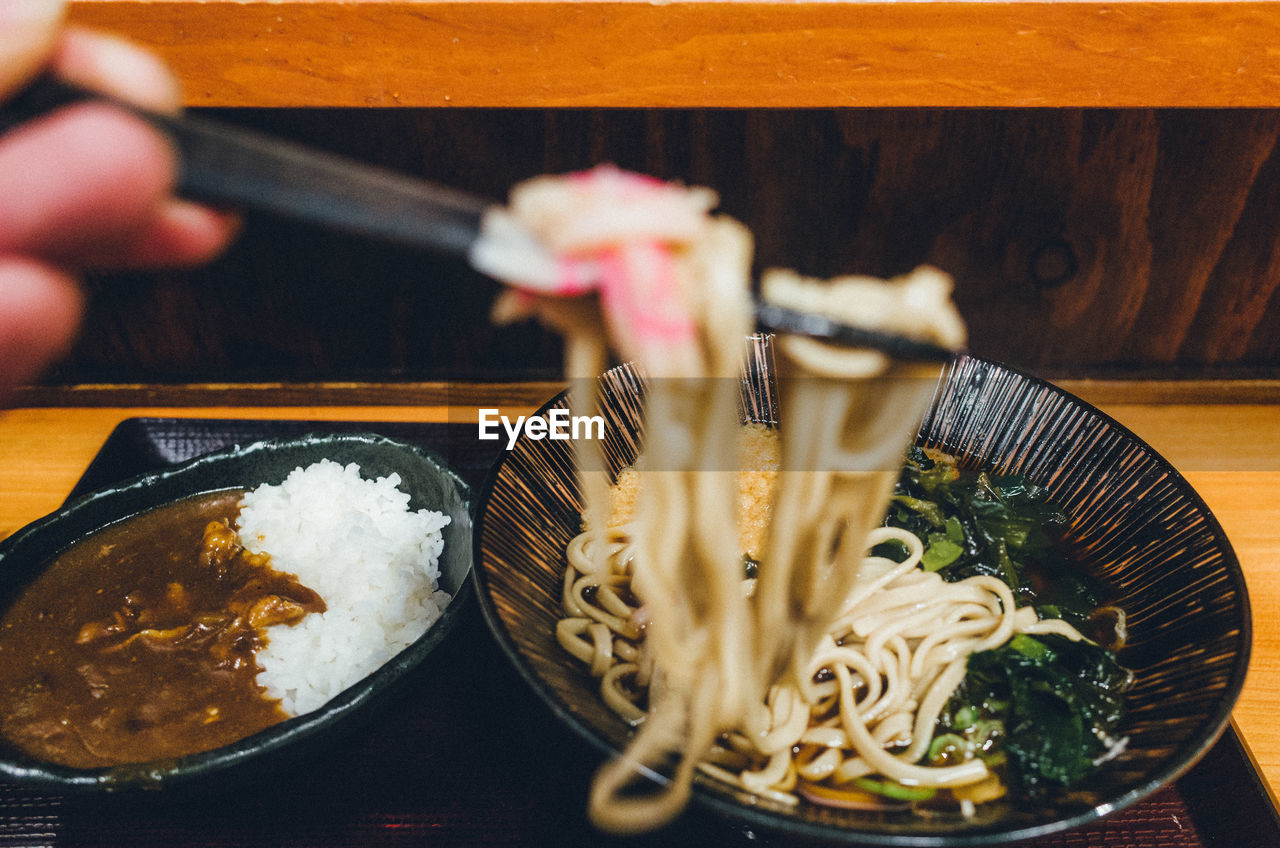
<point x="28" y="29"/>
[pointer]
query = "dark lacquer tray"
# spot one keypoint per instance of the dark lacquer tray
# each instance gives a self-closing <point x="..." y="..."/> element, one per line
<point x="466" y="755"/>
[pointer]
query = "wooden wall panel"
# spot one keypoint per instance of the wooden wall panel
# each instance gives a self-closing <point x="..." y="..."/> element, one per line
<point x="1083" y="241"/>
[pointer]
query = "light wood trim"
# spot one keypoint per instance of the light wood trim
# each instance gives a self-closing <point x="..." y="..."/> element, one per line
<point x="330" y="394"/>
<point x="732" y="53"/>
<point x="1206" y="392"/>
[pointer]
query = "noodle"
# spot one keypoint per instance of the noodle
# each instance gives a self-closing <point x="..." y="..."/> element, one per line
<point x="832" y="664"/>
<point x="878" y="677"/>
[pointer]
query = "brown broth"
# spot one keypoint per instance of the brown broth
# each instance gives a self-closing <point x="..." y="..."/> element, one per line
<point x="137" y="643"/>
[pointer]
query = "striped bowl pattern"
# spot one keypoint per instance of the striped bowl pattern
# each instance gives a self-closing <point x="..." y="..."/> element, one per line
<point x="1136" y="523"/>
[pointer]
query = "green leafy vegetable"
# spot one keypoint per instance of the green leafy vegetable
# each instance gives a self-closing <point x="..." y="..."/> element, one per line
<point x="1047" y="706"/>
<point x="940" y="553"/>
<point x="1004" y="526"/>
<point x="1041" y="709"/>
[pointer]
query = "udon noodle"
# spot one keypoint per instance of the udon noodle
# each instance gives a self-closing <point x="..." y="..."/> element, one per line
<point x="828" y="664"/>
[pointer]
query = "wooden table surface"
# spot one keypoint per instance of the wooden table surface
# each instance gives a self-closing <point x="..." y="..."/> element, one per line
<point x="1226" y="450"/>
<point x="739" y="53"/>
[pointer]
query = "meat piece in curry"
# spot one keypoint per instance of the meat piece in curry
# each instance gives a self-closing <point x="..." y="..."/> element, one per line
<point x="137" y="643"/>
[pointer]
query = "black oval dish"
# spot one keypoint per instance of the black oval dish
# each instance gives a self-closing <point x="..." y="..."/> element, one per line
<point x="430" y="485"/>
<point x="1136" y="523"/>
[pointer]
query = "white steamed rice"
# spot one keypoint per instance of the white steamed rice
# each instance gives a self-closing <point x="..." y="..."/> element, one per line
<point x="374" y="562"/>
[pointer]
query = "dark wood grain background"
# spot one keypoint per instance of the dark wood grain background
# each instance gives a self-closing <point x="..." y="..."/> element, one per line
<point x="1084" y="242"/>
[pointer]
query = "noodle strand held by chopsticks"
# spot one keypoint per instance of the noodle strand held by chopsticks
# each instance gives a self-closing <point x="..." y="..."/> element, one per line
<point x="843" y="657"/>
<point x="674" y="290"/>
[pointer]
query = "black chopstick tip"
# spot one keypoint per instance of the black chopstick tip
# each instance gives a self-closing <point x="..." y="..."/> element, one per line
<point x="785" y="321"/>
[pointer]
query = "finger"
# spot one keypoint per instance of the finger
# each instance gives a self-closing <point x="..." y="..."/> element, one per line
<point x="28" y="30"/>
<point x="40" y="311"/>
<point x="79" y="179"/>
<point x="114" y="66"/>
<point x="182" y="233"/>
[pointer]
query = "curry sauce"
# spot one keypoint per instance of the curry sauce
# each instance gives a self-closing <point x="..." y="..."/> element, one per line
<point x="137" y="643"/>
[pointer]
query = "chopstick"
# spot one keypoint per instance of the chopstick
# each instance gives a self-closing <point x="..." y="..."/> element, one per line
<point x="779" y="319"/>
<point x="243" y="170"/>
<point x="248" y="171"/>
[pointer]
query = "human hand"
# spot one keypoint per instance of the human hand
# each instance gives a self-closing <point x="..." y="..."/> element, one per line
<point x="86" y="186"/>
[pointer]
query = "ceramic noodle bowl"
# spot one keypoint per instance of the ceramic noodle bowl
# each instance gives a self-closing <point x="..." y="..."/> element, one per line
<point x="1135" y="523"/>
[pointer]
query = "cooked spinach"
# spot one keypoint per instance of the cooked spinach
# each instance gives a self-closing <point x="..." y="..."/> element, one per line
<point x="1005" y="526"/>
<point x="1041" y="709"/>
<point x="1044" y="706"/>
